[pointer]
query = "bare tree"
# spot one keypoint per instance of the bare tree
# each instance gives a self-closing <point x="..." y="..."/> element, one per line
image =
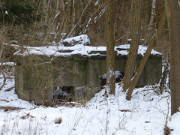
<point x="153" y="12"/>
<point x="173" y="15"/>
<point x="1" y="62"/>
<point x="110" y="42"/>
<point x="141" y="67"/>
<point x="152" y="43"/>
<point x="135" y="24"/>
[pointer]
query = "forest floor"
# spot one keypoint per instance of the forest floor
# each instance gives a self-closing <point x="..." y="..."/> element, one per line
<point x="145" y="114"/>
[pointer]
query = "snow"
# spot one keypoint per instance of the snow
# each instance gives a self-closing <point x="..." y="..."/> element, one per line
<point x="174" y="124"/>
<point x="7" y="64"/>
<point x="117" y="74"/>
<point x="81" y="39"/>
<point x="77" y="47"/>
<point x="61" y="50"/>
<point x="6" y="12"/>
<point x="145" y="114"/>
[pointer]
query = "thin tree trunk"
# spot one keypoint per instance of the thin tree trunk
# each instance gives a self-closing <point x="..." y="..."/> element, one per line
<point x="153" y="12"/>
<point x="1" y="50"/>
<point x="152" y="43"/>
<point x="57" y="6"/>
<point x="164" y="77"/>
<point x="135" y="24"/>
<point x="78" y="7"/>
<point x="1" y="62"/>
<point x="80" y="19"/>
<point x="60" y="19"/>
<point x="140" y="69"/>
<point x="45" y="10"/>
<point x="62" y="6"/>
<point x="173" y="15"/>
<point x="110" y="42"/>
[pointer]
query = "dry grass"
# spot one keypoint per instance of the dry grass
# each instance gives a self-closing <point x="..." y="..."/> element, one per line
<point x="8" y="108"/>
<point x="31" y="35"/>
<point x="27" y="116"/>
<point x="167" y="131"/>
<point x="58" y="120"/>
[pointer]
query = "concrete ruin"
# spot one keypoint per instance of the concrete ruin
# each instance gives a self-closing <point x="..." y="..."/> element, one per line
<point x="37" y="76"/>
<point x="72" y="68"/>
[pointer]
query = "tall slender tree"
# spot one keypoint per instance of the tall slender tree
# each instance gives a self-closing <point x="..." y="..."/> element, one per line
<point x="110" y="42"/>
<point x="143" y="62"/>
<point x="173" y="15"/>
<point x="135" y="26"/>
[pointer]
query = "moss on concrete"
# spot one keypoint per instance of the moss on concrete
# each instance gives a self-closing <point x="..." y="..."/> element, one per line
<point x="36" y="76"/>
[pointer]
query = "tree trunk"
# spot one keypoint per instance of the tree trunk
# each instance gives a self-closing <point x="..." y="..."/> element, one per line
<point x="78" y="11"/>
<point x="80" y="19"/>
<point x="45" y="10"/>
<point x="152" y="43"/>
<point x="57" y="6"/>
<point x="164" y="77"/>
<point x="62" y="6"/>
<point x="68" y="16"/>
<point x="1" y="62"/>
<point x="135" y="24"/>
<point x="110" y="42"/>
<point x="153" y="12"/>
<point x="140" y="69"/>
<point x="1" y="50"/>
<point x="173" y="15"/>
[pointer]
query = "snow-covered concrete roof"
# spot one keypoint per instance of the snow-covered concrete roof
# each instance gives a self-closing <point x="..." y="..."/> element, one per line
<point x="62" y="50"/>
<point x="76" y="45"/>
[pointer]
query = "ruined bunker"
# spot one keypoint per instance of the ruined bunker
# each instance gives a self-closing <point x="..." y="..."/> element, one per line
<point x="78" y="69"/>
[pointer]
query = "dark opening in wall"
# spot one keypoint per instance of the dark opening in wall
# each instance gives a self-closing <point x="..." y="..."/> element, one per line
<point x="118" y="78"/>
<point x="63" y="94"/>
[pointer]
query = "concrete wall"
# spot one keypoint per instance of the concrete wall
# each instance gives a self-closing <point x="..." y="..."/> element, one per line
<point x="37" y="76"/>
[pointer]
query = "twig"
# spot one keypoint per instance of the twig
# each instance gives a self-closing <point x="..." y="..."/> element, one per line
<point x="7" y="108"/>
<point x="4" y="100"/>
<point x="4" y="81"/>
<point x="9" y="89"/>
<point x="166" y="129"/>
<point x="70" y="33"/>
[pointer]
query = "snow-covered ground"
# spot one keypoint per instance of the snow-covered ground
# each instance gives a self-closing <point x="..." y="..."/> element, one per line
<point x="145" y="114"/>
